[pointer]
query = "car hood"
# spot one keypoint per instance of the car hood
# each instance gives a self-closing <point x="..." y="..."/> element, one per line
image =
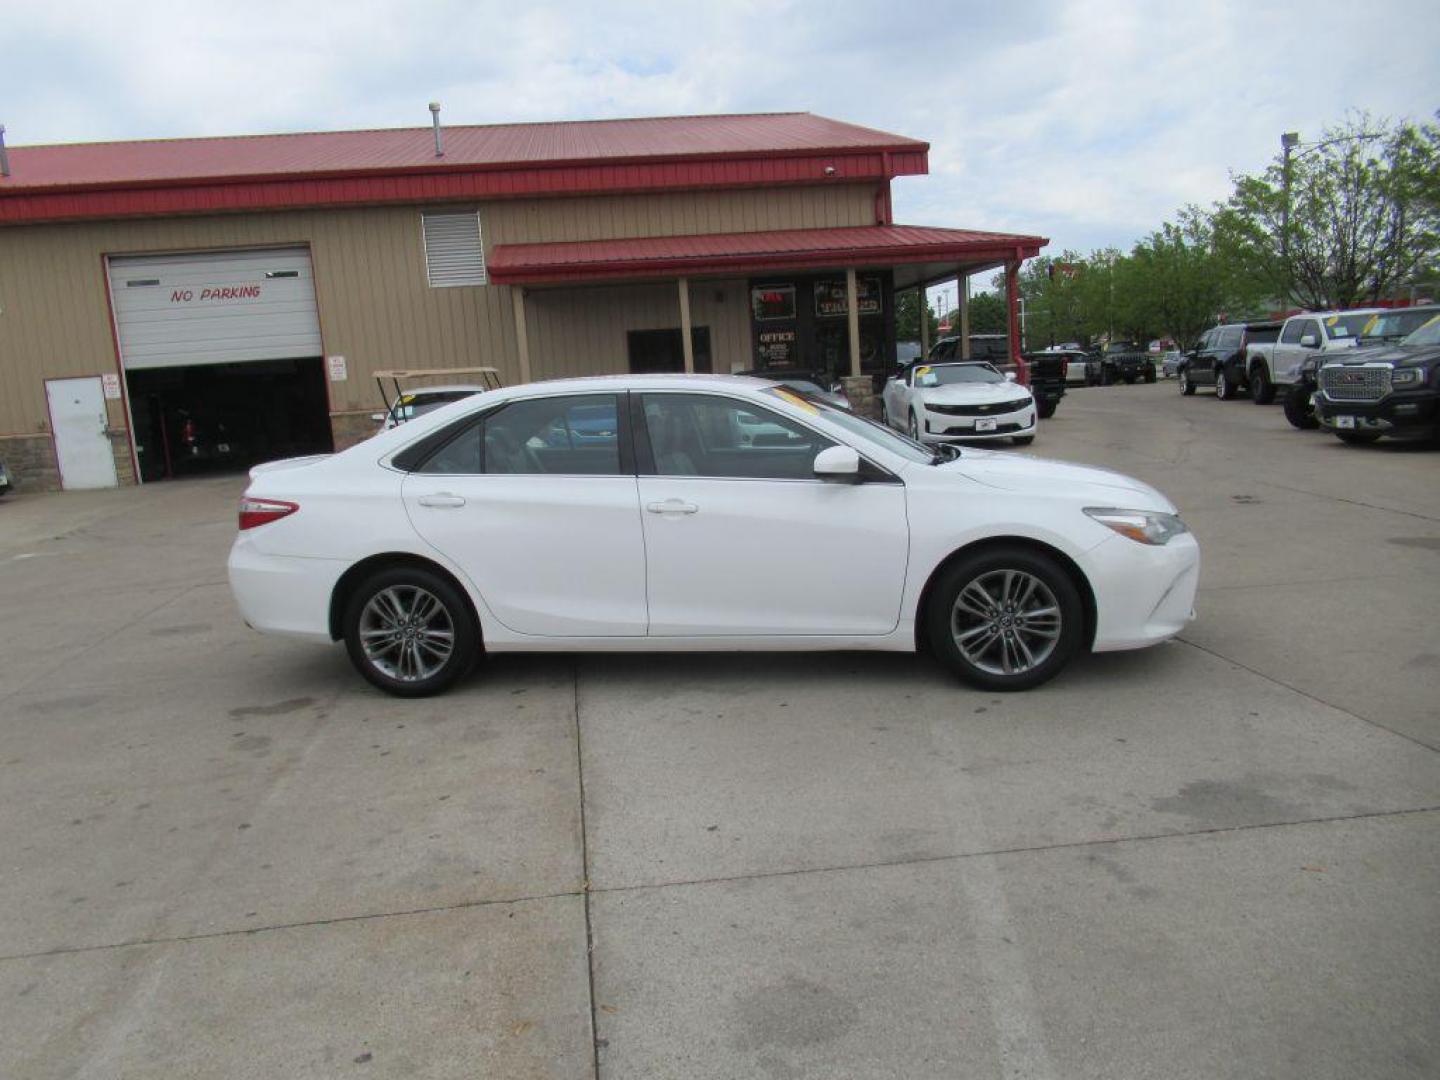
<point x="1041" y="476"/>
<point x="972" y="393"/>
<point x="1399" y="355"/>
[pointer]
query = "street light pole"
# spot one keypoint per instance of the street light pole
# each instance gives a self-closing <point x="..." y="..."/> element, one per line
<point x="1288" y="141"/>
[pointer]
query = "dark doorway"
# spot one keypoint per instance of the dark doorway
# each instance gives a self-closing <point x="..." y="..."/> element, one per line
<point x="654" y="352"/>
<point x="209" y="418"/>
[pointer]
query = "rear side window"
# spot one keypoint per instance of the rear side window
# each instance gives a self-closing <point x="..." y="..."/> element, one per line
<point x="1261" y="335"/>
<point x="461" y="455"/>
<point x="574" y="435"/>
<point x="1230" y="337"/>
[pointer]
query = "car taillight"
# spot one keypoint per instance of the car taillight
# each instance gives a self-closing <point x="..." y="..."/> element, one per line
<point x="255" y="512"/>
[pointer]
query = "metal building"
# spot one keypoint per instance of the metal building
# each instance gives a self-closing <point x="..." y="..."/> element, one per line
<point x="173" y="306"/>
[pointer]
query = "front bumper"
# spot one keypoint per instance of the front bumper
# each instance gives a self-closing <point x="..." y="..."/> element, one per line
<point x="938" y="428"/>
<point x="1143" y="594"/>
<point x="1396" y="413"/>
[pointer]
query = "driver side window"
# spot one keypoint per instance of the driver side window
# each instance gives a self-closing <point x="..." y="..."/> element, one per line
<point x="720" y="437"/>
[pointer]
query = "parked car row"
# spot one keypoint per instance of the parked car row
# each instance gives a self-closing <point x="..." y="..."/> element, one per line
<point x="1361" y="374"/>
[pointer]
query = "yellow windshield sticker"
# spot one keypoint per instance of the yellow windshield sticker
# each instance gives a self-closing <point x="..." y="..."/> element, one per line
<point x="1332" y="320"/>
<point x="406" y="399"/>
<point x="1370" y="325"/>
<point x="922" y="370"/>
<point x="796" y="400"/>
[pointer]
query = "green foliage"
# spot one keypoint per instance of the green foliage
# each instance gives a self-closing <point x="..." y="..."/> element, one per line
<point x="987" y="315"/>
<point x="1363" y="216"/>
<point x="907" y="317"/>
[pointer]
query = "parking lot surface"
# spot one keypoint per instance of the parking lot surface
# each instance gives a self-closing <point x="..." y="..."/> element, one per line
<point x="225" y="855"/>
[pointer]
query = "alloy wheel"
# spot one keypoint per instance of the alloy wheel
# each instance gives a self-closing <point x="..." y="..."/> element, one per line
<point x="407" y="633"/>
<point x="1006" y="622"/>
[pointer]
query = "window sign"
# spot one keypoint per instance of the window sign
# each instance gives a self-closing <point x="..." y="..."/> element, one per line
<point x="830" y="297"/>
<point x="772" y="302"/>
<point x="777" y="349"/>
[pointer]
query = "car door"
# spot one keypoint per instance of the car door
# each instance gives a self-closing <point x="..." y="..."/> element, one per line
<point x="1289" y="353"/>
<point x="536" y="503"/>
<point x="742" y="540"/>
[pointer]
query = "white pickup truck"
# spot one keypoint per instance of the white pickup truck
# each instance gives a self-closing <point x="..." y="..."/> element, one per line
<point x="1303" y="337"/>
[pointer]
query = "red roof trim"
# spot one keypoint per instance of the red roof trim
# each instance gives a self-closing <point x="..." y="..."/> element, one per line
<point x="724" y="253"/>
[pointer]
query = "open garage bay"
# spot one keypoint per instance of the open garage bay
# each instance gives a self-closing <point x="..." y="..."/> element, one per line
<point x="224" y="855"/>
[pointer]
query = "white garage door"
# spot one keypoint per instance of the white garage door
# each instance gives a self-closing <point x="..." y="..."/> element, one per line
<point x="215" y="307"/>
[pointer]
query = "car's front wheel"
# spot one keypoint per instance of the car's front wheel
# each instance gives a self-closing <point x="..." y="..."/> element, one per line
<point x="1224" y="388"/>
<point x="1186" y="386"/>
<point x="1005" y="620"/>
<point x="410" y="632"/>
<point x="1300" y="408"/>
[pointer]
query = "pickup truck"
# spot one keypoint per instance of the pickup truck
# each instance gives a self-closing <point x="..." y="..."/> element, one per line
<point x="1387" y="390"/>
<point x="1127" y="361"/>
<point x="1307" y="341"/>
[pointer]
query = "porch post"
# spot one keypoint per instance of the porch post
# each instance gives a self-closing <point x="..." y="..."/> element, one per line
<point x="852" y="320"/>
<point x="517" y="296"/>
<point x="962" y="292"/>
<point x="686" y="344"/>
<point x="1012" y="303"/>
<point x="924" y="321"/>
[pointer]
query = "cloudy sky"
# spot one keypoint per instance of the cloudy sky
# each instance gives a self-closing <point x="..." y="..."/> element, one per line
<point x="1088" y="121"/>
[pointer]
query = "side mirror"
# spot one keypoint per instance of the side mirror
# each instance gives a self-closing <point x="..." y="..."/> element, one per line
<point x="838" y="463"/>
<point x="1310" y="341"/>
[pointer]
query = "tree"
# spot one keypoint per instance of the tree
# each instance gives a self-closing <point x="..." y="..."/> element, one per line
<point x="1177" y="283"/>
<point x="1363" y="216"/>
<point x="907" y="317"/>
<point x="987" y="315"/>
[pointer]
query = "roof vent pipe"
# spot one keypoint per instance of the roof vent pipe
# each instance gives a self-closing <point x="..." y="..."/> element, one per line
<point x="435" y="117"/>
<point x="4" y="157"/>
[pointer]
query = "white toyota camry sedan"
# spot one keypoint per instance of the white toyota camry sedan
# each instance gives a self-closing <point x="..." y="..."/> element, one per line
<point x="644" y="512"/>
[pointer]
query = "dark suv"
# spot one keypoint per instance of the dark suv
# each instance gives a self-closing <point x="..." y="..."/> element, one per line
<point x="1366" y="393"/>
<point x="1219" y="359"/>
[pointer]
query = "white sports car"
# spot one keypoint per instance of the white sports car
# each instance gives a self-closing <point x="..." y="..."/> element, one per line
<point x="937" y="403"/>
<point x="634" y="513"/>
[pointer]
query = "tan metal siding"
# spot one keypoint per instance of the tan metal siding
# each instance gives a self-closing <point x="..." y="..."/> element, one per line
<point x="582" y="331"/>
<point x="376" y="308"/>
<point x="616" y="217"/>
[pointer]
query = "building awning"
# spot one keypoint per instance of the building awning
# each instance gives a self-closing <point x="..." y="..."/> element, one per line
<point x="919" y="254"/>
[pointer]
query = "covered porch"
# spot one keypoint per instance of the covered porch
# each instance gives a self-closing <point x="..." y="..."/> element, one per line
<point x="819" y="300"/>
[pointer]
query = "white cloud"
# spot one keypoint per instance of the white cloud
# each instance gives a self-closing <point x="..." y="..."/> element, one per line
<point x="1088" y="121"/>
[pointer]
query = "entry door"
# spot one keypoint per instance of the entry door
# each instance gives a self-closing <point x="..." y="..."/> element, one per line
<point x="78" y="420"/>
<point x="537" y="505"/>
<point x="742" y="540"/>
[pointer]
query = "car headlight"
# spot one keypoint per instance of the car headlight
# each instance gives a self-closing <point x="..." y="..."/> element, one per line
<point x="1406" y="377"/>
<point x="1142" y="526"/>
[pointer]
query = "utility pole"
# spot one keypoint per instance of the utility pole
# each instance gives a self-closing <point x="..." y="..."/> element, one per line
<point x="1288" y="141"/>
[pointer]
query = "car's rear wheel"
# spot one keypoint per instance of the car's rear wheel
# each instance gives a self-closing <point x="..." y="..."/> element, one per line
<point x="1299" y="409"/>
<point x="1262" y="390"/>
<point x="410" y="632"/>
<point x="1005" y="620"/>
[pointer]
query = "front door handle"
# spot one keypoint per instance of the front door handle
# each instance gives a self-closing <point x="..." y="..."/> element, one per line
<point x="672" y="506"/>
<point x="443" y="500"/>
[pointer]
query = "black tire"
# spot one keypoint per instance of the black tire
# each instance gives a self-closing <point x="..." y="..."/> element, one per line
<point x="1357" y="438"/>
<point x="1106" y="377"/>
<point x="1129" y="380"/>
<point x="412" y="582"/>
<point x="1262" y="390"/>
<point x="914" y="428"/>
<point x="885" y="420"/>
<point x="1299" y="409"/>
<point x="984" y="570"/>
<point x="1023" y="440"/>
<point x="1224" y="388"/>
<point x="1045" y="409"/>
<point x="1186" y="386"/>
<point x="1149" y="375"/>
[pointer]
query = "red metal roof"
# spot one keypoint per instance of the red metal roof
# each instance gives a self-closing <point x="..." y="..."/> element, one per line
<point x="863" y="245"/>
<point x="328" y="168"/>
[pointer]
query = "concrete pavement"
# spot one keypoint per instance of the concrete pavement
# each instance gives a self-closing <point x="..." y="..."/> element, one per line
<point x="223" y="855"/>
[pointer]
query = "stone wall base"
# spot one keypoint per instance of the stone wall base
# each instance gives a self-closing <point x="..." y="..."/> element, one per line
<point x="860" y="390"/>
<point x="30" y="460"/>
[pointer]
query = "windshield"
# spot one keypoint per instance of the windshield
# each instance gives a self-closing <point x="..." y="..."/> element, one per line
<point x="868" y="430"/>
<point x="1396" y="323"/>
<point x="1346" y="326"/>
<point x="1429" y="334"/>
<point x="950" y="374"/>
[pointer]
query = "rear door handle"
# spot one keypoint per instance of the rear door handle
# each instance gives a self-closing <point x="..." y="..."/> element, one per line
<point x="672" y="506"/>
<point x="444" y="500"/>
